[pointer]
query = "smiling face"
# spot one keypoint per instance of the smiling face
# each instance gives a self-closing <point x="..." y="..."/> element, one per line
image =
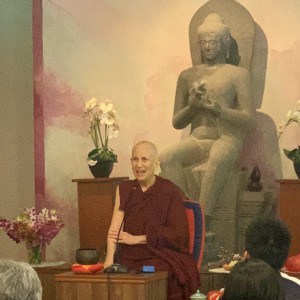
<point x="144" y="162"/>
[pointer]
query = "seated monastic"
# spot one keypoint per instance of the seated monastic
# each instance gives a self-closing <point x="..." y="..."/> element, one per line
<point x="150" y="226"/>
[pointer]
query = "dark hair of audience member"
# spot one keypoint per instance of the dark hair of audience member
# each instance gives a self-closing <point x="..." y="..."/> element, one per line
<point x="268" y="238"/>
<point x="252" y="279"/>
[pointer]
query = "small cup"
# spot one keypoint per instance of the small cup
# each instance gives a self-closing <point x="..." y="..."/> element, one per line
<point x="87" y="256"/>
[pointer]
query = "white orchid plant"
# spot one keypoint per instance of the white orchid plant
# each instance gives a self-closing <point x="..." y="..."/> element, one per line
<point x="291" y="117"/>
<point x="103" y="127"/>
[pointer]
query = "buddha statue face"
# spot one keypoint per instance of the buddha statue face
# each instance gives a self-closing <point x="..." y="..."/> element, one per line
<point x="213" y="35"/>
<point x="210" y="46"/>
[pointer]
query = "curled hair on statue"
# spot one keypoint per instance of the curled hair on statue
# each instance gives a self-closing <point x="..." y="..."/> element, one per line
<point x="214" y="24"/>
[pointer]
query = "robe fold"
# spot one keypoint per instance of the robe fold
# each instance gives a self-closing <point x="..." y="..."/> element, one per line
<point x="159" y="214"/>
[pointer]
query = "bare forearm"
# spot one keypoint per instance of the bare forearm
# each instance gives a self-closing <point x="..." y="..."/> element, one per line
<point x="110" y="251"/>
<point x="116" y="223"/>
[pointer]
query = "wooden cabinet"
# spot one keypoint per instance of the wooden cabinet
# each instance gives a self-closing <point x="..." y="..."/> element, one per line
<point x="212" y="281"/>
<point x="289" y="210"/>
<point x="95" y="206"/>
<point x="46" y="275"/>
<point x="70" y="286"/>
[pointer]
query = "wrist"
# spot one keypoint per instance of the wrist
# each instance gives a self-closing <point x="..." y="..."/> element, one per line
<point x="142" y="239"/>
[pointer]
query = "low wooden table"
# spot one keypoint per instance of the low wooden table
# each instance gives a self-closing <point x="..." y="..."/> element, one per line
<point x="150" y="286"/>
<point x="213" y="279"/>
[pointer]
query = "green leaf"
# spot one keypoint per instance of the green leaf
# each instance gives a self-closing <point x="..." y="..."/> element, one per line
<point x="94" y="154"/>
<point x="293" y="155"/>
<point x="102" y="154"/>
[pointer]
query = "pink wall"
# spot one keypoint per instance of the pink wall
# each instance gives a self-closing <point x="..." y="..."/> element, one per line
<point x="131" y="53"/>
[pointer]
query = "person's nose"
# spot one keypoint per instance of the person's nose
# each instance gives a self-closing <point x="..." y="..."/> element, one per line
<point x="207" y="45"/>
<point x="139" y="163"/>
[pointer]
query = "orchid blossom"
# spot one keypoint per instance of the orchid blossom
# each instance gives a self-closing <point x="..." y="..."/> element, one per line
<point x="103" y="126"/>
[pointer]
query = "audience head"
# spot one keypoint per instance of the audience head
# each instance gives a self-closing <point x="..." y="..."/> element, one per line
<point x="252" y="279"/>
<point x="268" y="238"/>
<point x="19" y="281"/>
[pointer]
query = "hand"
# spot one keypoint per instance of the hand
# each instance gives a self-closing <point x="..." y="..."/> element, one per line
<point x="107" y="264"/>
<point x="215" y="108"/>
<point x="124" y="237"/>
<point x="200" y="90"/>
<point x="198" y="96"/>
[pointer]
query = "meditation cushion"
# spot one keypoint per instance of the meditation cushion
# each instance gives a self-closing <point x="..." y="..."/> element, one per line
<point x="89" y="269"/>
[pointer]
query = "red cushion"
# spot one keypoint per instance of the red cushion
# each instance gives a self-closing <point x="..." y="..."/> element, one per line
<point x="196" y="224"/>
<point x="191" y="221"/>
<point x="293" y="263"/>
<point x="77" y="268"/>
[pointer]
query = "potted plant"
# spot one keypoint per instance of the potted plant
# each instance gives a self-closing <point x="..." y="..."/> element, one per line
<point x="103" y="127"/>
<point x="293" y="155"/>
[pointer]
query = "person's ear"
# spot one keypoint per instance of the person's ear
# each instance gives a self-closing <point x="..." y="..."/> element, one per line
<point x="157" y="169"/>
<point x="246" y="254"/>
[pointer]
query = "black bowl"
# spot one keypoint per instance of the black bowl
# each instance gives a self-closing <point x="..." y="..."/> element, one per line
<point x="87" y="256"/>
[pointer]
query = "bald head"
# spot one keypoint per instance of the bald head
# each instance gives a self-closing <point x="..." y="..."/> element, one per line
<point x="152" y="148"/>
<point x="144" y="163"/>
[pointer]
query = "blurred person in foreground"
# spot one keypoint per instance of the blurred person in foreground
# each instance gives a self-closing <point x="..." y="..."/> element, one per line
<point x="19" y="281"/>
<point x="268" y="238"/>
<point x="150" y="225"/>
<point x="252" y="279"/>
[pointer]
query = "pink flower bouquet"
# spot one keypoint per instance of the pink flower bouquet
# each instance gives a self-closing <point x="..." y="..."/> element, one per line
<point x="36" y="229"/>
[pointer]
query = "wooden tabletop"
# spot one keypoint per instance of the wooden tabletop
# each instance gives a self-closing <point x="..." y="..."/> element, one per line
<point x="116" y="278"/>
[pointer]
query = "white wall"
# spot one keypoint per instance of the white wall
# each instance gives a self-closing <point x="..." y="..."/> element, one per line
<point x="16" y="117"/>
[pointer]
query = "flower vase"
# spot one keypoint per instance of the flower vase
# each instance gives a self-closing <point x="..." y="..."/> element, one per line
<point x="297" y="169"/>
<point x="102" y="168"/>
<point x="34" y="254"/>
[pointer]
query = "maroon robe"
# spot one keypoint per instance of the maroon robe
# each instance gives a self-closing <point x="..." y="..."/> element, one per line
<point x="159" y="214"/>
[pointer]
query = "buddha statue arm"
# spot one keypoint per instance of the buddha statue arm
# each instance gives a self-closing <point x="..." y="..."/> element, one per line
<point x="245" y="112"/>
<point x="187" y="102"/>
